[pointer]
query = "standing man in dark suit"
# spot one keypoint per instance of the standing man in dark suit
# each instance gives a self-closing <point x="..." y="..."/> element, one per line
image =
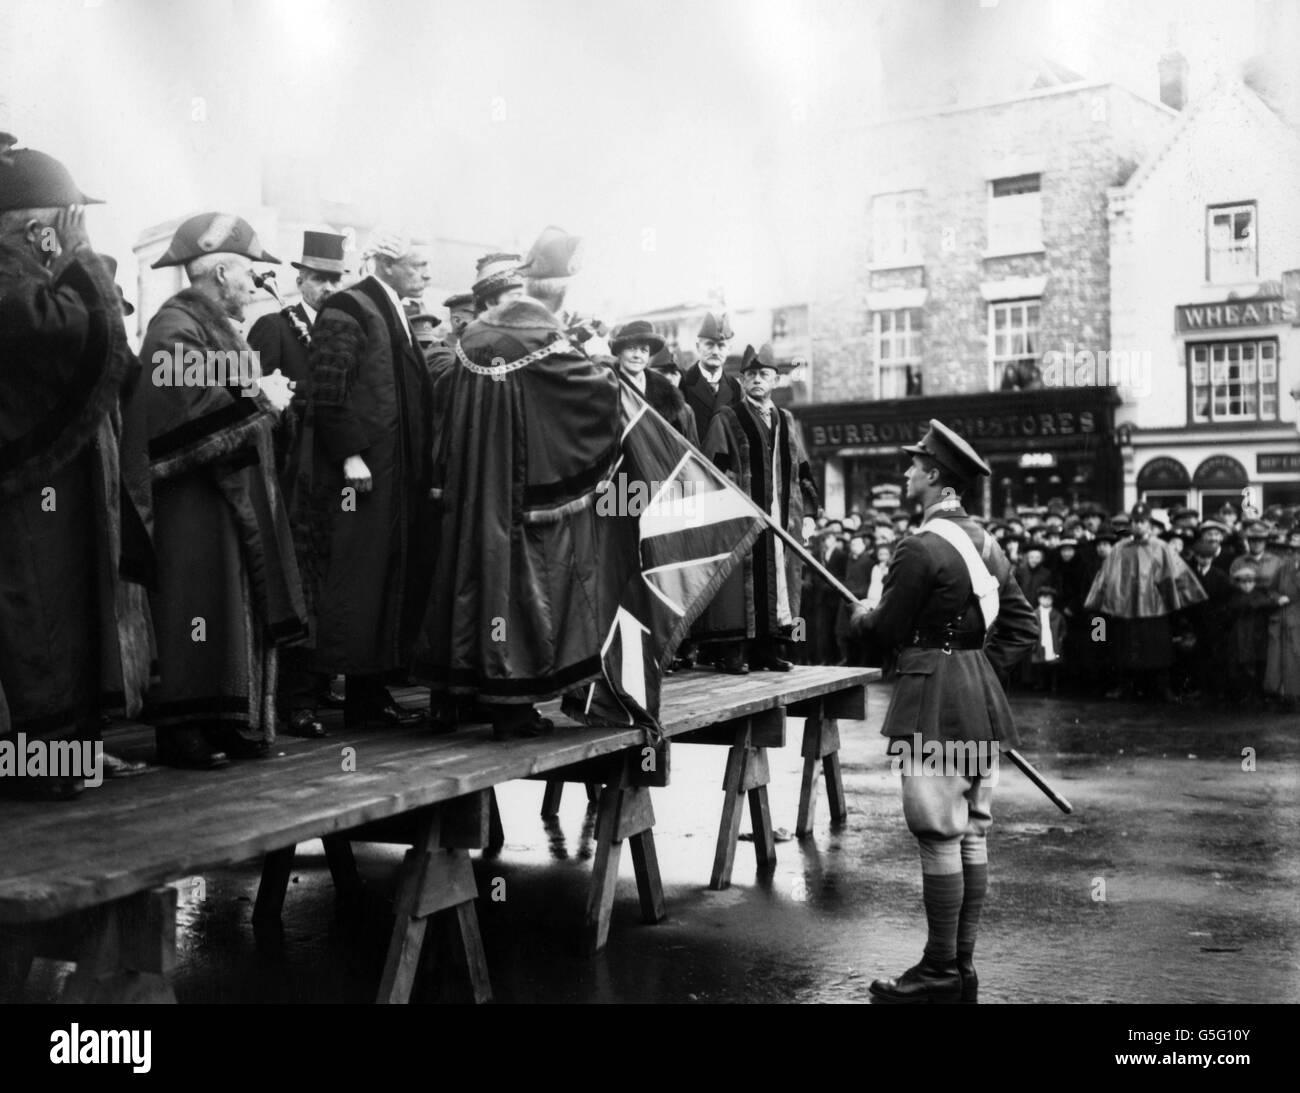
<point x="949" y="598"/>
<point x="282" y="340"/>
<point x="706" y="385"/>
<point x="369" y="416"/>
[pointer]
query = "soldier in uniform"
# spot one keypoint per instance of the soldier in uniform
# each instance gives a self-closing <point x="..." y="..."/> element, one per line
<point x="952" y="604"/>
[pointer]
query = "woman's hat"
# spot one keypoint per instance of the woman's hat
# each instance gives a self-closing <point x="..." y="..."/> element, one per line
<point x="638" y="330"/>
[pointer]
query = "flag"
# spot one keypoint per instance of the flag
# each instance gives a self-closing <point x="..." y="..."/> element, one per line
<point x="671" y="530"/>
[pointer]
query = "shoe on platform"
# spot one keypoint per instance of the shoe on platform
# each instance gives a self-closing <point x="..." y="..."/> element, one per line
<point x="970" y="982"/>
<point x="926" y="983"/>
<point x="236" y="745"/>
<point x="520" y="726"/>
<point x="305" y="724"/>
<point x="388" y="716"/>
<point x="772" y="663"/>
<point x="734" y="665"/>
<point x="117" y="767"/>
<point x="187" y="749"/>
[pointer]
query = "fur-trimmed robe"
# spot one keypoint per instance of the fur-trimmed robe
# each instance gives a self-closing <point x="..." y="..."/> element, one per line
<point x="74" y="635"/>
<point x="369" y="558"/>
<point x="228" y="588"/>
<point x="520" y="454"/>
<point x="762" y="597"/>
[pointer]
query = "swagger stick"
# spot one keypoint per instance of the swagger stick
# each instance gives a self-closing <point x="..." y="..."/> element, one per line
<point x="1019" y="760"/>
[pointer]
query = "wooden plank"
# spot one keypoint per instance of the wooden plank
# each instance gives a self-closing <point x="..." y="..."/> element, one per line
<point x="766" y="729"/>
<point x="835" y="799"/>
<point x="756" y="770"/>
<point x="850" y="704"/>
<point x="148" y="926"/>
<point x="807" y="799"/>
<point x="649" y="884"/>
<point x="470" y="940"/>
<point x="271" y="889"/>
<point x="496" y="832"/>
<point x="760" y="818"/>
<point x="402" y="961"/>
<point x="604" y="873"/>
<point x="467" y="821"/>
<point x="635" y="813"/>
<point x="724" y="856"/>
<point x="343" y="868"/>
<point x="551" y="798"/>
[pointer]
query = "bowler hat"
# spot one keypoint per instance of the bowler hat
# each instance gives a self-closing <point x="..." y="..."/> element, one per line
<point x="322" y="252"/>
<point x="32" y="180"/>
<point x="950" y="451"/>
<point x="213" y="233"/>
<point x="717" y="328"/>
<point x="556" y="253"/>
<point x="763" y="357"/>
<point x="638" y="330"/>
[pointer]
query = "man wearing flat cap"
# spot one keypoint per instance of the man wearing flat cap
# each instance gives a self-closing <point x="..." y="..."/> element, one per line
<point x="228" y="591"/>
<point x="760" y="447"/>
<point x="706" y="385"/>
<point x="74" y="548"/>
<point x="283" y="339"/>
<point x="373" y="537"/>
<point x="460" y="313"/>
<point x="952" y="604"/>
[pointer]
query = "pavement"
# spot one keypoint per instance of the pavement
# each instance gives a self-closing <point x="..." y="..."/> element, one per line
<point x="1175" y="880"/>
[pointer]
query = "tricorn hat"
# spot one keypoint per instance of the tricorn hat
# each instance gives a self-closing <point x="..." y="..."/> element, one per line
<point x="555" y="254"/>
<point x="322" y="252"/>
<point x="763" y="357"/>
<point x="716" y="328"/>
<point x="950" y="451"/>
<point x="32" y="180"/>
<point x="213" y="233"/>
<point x="638" y="330"/>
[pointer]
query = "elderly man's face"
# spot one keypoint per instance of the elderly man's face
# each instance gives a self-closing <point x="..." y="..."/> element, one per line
<point x="758" y="382"/>
<point x="712" y="352"/>
<point x="408" y="276"/>
<point x="235" y="285"/>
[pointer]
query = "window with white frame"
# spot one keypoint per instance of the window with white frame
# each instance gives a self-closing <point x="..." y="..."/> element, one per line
<point x="1013" y="345"/>
<point x="895" y="228"/>
<point x="1231" y="243"/>
<point x="1015" y="215"/>
<point x="1233" y="381"/>
<point x="898" y="352"/>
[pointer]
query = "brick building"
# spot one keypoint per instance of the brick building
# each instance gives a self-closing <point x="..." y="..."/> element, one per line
<point x="1205" y="284"/>
<point x="962" y="243"/>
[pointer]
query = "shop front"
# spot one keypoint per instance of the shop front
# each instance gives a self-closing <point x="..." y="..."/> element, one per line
<point x="1040" y="444"/>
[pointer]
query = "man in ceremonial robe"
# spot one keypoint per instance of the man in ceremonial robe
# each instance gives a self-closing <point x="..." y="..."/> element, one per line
<point x="73" y="642"/>
<point x="528" y="429"/>
<point x="706" y="385"/>
<point x="760" y="447"/>
<point x="228" y="589"/>
<point x="373" y="536"/>
<point x="1139" y="587"/>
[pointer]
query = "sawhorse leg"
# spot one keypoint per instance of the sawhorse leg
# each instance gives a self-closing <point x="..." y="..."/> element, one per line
<point x="278" y="867"/>
<point x="126" y="950"/>
<point x="624" y="813"/>
<point x="821" y="744"/>
<point x="436" y="875"/>
<point x="555" y="790"/>
<point x="747" y="774"/>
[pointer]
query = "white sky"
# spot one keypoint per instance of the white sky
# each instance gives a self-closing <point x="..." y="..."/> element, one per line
<point x="678" y="137"/>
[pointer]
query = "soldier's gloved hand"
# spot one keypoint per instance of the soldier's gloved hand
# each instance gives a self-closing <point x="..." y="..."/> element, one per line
<point x="278" y="389"/>
<point x="357" y="473"/>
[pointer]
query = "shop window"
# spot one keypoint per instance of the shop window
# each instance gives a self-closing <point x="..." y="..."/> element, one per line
<point x="895" y="228"/>
<point x="1013" y="345"/>
<point x="1016" y="215"/>
<point x="1233" y="381"/>
<point x="898" y="352"/>
<point x="1231" y="244"/>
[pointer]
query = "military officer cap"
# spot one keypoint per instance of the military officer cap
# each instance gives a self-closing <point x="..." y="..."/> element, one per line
<point x="716" y="328"/>
<point x="763" y="357"/>
<point x="213" y="233"/>
<point x="950" y="451"/>
<point x="32" y="180"/>
<point x="1256" y="529"/>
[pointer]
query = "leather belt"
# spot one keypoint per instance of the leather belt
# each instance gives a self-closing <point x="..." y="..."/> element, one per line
<point x="948" y="640"/>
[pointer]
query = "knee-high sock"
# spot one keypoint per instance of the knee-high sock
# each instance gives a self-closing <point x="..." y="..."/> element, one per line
<point x="941" y="888"/>
<point x="975" y="875"/>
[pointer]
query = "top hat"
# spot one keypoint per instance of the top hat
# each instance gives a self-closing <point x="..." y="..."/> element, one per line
<point x="496" y="273"/>
<point x="556" y="253"/>
<point x="322" y="252"/>
<point x="213" y="233"/>
<point x="950" y="451"/>
<point x="111" y="263"/>
<point x="717" y="328"/>
<point x="762" y="358"/>
<point x="462" y="301"/>
<point x="638" y="330"/>
<point x="32" y="180"/>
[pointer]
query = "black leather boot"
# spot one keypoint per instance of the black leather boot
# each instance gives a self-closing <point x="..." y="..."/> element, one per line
<point x="928" y="982"/>
<point x="970" y="983"/>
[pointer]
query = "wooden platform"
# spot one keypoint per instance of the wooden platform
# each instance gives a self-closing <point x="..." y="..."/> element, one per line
<point x="94" y="870"/>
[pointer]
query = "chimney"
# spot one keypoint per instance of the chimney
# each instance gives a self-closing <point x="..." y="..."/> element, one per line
<point x="1173" y="80"/>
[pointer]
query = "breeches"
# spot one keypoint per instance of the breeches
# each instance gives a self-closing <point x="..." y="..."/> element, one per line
<point x="950" y="816"/>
